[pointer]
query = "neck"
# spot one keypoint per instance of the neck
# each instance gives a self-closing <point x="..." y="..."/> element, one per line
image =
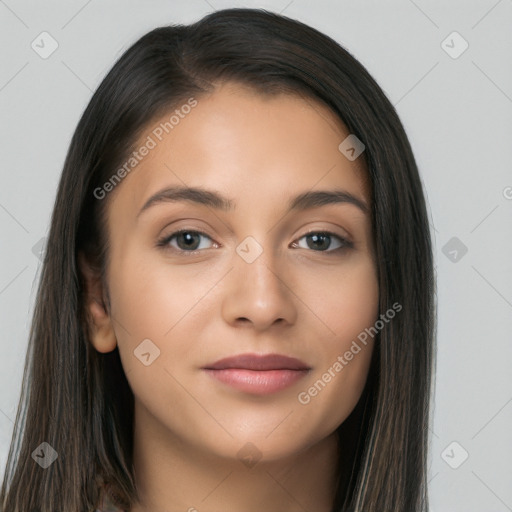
<point x="173" y="476"/>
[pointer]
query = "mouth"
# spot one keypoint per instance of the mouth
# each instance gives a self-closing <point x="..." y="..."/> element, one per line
<point x="256" y="374"/>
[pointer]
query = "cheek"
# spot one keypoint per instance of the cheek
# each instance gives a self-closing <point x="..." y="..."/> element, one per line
<point x="152" y="299"/>
<point x="152" y="296"/>
<point x="345" y="301"/>
<point x="348" y="306"/>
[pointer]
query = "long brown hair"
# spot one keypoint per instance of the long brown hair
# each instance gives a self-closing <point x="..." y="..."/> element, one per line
<point x="78" y="400"/>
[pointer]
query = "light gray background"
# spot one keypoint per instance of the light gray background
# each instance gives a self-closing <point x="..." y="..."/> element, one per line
<point x="457" y="113"/>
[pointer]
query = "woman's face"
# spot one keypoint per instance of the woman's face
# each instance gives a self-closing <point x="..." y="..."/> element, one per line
<point x="255" y="279"/>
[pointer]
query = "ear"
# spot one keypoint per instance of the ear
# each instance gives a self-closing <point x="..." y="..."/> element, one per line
<point x="100" y="329"/>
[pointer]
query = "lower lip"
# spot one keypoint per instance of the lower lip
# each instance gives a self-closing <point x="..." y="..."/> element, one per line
<point x="258" y="382"/>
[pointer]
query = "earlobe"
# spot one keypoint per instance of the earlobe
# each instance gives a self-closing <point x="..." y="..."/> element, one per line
<point x="100" y="329"/>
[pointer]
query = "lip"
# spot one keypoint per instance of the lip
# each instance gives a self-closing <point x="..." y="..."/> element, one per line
<point x="258" y="374"/>
<point x="259" y="362"/>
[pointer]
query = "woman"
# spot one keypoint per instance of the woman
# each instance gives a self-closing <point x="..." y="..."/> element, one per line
<point x="282" y="363"/>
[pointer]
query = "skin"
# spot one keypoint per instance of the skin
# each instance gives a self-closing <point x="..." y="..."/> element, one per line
<point x="294" y="299"/>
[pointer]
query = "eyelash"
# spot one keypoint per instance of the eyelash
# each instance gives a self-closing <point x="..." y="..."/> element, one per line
<point x="163" y="242"/>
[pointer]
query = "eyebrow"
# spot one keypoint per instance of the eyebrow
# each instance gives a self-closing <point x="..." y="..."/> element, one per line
<point x="212" y="199"/>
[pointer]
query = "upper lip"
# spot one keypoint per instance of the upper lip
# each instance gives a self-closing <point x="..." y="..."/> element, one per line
<point x="259" y="362"/>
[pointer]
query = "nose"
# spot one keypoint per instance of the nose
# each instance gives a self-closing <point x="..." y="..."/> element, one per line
<point x="258" y="293"/>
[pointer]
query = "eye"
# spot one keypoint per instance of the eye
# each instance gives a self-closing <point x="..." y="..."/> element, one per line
<point x="187" y="240"/>
<point x="319" y="241"/>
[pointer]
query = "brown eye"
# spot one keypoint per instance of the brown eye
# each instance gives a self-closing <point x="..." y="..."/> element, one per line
<point x="322" y="241"/>
<point x="187" y="240"/>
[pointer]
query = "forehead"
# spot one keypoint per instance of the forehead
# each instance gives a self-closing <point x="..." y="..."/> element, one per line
<point x="257" y="149"/>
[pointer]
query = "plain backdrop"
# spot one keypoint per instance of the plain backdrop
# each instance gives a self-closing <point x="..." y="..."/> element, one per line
<point x="446" y="66"/>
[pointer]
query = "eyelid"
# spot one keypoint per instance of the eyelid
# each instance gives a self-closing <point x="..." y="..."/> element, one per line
<point x="163" y="242"/>
<point x="345" y="238"/>
<point x="345" y="241"/>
